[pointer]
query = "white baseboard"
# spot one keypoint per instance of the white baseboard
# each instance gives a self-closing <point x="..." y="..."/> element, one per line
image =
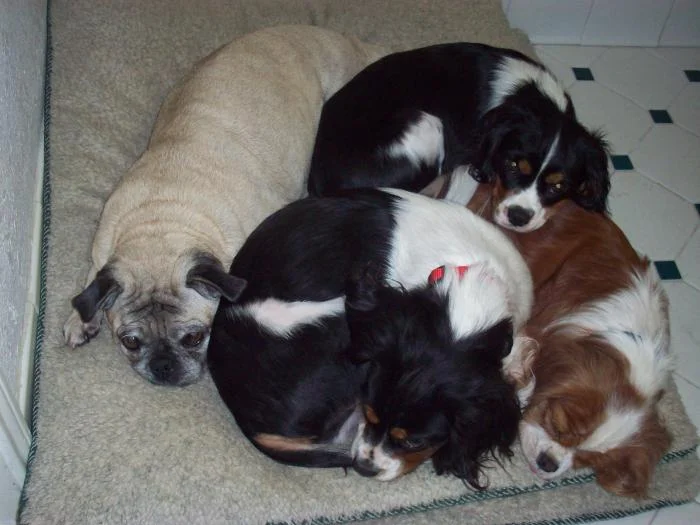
<point x="648" y="23"/>
<point x="14" y="447"/>
<point x="26" y="351"/>
<point x="15" y="412"/>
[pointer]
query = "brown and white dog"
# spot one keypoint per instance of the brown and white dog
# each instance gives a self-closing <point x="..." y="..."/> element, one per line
<point x="601" y="321"/>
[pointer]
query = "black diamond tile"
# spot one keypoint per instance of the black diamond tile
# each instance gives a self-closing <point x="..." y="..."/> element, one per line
<point x="660" y="116"/>
<point x="582" y="73"/>
<point x="621" y="162"/>
<point x="693" y="75"/>
<point x="668" y="270"/>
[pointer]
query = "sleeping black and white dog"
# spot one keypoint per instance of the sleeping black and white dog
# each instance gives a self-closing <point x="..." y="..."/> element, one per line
<point x="372" y="333"/>
<point x="462" y="108"/>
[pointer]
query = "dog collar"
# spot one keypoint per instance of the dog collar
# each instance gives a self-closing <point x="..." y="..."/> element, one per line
<point x="438" y="273"/>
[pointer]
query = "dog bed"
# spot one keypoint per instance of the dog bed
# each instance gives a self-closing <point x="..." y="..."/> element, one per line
<point x="108" y="447"/>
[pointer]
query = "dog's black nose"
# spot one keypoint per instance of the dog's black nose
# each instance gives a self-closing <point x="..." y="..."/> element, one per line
<point x="363" y="468"/>
<point x="163" y="368"/>
<point x="546" y="462"/>
<point x="519" y="216"/>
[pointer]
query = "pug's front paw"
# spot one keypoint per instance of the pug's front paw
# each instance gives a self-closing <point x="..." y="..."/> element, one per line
<point x="76" y="332"/>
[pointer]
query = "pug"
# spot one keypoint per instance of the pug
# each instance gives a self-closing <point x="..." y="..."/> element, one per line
<point x="230" y="145"/>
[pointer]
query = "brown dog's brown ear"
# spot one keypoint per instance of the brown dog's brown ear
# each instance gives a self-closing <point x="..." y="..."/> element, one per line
<point x="627" y="470"/>
<point x="100" y="294"/>
<point x="624" y="471"/>
<point x="571" y="417"/>
<point x="209" y="279"/>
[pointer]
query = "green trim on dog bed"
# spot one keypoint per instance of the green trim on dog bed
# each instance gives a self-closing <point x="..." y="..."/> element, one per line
<point x="44" y="255"/>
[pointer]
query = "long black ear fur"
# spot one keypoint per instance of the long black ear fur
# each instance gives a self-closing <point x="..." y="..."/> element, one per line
<point x="482" y="428"/>
<point x="593" y="192"/>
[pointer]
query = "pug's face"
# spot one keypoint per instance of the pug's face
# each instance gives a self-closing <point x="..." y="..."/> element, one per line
<point x="162" y="326"/>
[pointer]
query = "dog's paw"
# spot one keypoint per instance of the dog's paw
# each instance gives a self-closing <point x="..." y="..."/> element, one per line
<point x="76" y="332"/>
<point x="517" y="366"/>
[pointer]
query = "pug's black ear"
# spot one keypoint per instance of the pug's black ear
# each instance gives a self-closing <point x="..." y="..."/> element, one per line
<point x="100" y="294"/>
<point x="209" y="279"/>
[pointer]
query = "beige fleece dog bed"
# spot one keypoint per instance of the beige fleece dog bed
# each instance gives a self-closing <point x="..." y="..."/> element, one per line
<point x="110" y="448"/>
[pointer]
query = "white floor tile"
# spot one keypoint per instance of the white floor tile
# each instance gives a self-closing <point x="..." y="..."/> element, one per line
<point x="682" y="515"/>
<point x="623" y="121"/>
<point x="685" y="109"/>
<point x="573" y="56"/>
<point x="690" y="394"/>
<point x="645" y="518"/>
<point x="689" y="261"/>
<point x="640" y="76"/>
<point x="657" y="222"/>
<point x="670" y="155"/>
<point x="685" y="331"/>
<point x="638" y="80"/>
<point x="626" y="22"/>
<point x="683" y="57"/>
<point x="561" y="70"/>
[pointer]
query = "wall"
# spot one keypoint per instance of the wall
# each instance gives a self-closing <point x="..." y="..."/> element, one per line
<point x="607" y="22"/>
<point x="22" y="49"/>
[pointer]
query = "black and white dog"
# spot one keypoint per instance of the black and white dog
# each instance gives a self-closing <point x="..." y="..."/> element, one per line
<point x="371" y="334"/>
<point x="462" y="108"/>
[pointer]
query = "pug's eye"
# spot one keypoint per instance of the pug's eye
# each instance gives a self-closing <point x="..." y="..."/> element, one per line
<point x="131" y="342"/>
<point x="192" y="339"/>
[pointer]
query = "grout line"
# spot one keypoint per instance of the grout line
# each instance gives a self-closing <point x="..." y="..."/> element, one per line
<point x="681" y="126"/>
<point x="685" y="245"/>
<point x="650" y="179"/>
<point x="588" y="17"/>
<point x="641" y="139"/>
<point x="691" y="383"/>
<point x="653" y="518"/>
<point x="663" y="27"/>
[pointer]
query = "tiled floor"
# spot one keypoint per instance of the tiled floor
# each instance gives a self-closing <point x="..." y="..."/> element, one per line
<point x="647" y="100"/>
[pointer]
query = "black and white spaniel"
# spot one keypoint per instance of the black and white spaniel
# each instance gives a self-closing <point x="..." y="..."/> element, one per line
<point x="372" y="333"/>
<point x="462" y="108"/>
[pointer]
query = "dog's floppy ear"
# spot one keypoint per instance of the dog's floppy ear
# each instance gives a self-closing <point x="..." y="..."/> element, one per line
<point x="493" y="128"/>
<point x="209" y="279"/>
<point x="483" y="426"/>
<point x="627" y="470"/>
<point x="100" y="294"/>
<point x="592" y="193"/>
<point x="492" y="345"/>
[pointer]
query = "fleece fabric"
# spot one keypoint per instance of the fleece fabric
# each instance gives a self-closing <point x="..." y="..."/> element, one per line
<point x="110" y="448"/>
